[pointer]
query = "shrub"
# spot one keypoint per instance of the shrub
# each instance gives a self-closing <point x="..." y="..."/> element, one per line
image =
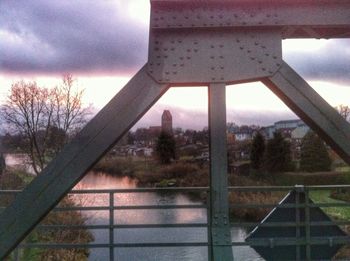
<point x="278" y="158"/>
<point x="313" y="154"/>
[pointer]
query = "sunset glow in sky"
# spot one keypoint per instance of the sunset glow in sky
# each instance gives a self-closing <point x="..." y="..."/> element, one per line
<point x="104" y="43"/>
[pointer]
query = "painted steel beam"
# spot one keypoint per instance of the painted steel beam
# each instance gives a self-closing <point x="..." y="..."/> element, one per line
<point x="220" y="239"/>
<point x="294" y="18"/>
<point x="299" y="96"/>
<point x="99" y="135"/>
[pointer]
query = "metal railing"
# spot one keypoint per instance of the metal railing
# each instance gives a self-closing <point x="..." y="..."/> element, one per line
<point x="113" y="206"/>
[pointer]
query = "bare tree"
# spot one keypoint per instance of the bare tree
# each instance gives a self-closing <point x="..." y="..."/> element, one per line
<point x="44" y="117"/>
<point x="344" y="111"/>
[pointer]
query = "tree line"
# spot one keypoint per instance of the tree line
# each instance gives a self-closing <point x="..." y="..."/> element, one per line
<point x="274" y="156"/>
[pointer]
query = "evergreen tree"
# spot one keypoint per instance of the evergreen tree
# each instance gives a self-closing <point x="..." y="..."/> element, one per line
<point x="314" y="155"/>
<point x="257" y="151"/>
<point x="278" y="156"/>
<point x="165" y="148"/>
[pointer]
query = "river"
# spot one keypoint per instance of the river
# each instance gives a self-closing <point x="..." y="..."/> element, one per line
<point x="145" y="235"/>
<point x="151" y="235"/>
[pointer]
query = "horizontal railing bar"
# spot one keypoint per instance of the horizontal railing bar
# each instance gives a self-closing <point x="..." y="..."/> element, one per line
<point x="125" y="245"/>
<point x="284" y="188"/>
<point x="255" y="242"/>
<point x="161" y="225"/>
<point x="258" y="189"/>
<point x="140" y="190"/>
<point x="123" y="226"/>
<point x="137" y="207"/>
<point x="66" y="209"/>
<point x="160" y="207"/>
<point x="288" y="224"/>
<point x="194" y="189"/>
<point x="288" y="241"/>
<point x="289" y="205"/>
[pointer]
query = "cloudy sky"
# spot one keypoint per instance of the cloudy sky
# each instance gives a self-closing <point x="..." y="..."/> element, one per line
<point x="103" y="43"/>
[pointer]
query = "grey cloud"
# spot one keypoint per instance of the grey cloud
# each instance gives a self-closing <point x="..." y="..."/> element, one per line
<point x="86" y="36"/>
<point x="79" y="36"/>
<point x="332" y="62"/>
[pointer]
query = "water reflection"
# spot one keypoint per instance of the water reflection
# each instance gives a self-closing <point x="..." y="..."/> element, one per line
<point x="149" y="235"/>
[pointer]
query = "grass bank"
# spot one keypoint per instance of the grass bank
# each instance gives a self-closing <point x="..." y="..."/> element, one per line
<point x="14" y="179"/>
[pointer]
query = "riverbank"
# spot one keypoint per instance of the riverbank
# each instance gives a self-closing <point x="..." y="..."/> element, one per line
<point x="14" y="179"/>
<point x="149" y="173"/>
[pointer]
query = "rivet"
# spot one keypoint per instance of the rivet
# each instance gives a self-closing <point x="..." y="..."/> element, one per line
<point x="212" y="57"/>
<point x="174" y="65"/>
<point x="188" y="57"/>
<point x="213" y="79"/>
<point x="264" y="69"/>
<point x="241" y="47"/>
<point x="181" y="58"/>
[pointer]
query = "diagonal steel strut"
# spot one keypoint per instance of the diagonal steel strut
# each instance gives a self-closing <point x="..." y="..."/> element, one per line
<point x="76" y="158"/>
<point x="299" y="96"/>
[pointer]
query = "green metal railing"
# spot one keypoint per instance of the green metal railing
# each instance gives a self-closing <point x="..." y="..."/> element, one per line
<point x="113" y="207"/>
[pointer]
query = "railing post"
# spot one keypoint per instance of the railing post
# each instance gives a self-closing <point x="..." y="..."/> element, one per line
<point x="307" y="225"/>
<point x="220" y="238"/>
<point x="297" y="219"/>
<point x="111" y="226"/>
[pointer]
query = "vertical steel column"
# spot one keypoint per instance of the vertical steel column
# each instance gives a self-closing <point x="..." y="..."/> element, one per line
<point x="221" y="246"/>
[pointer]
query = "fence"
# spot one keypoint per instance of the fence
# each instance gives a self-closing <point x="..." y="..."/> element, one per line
<point x="113" y="208"/>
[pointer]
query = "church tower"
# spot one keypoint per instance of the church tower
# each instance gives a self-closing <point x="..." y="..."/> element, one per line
<point x="167" y="122"/>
